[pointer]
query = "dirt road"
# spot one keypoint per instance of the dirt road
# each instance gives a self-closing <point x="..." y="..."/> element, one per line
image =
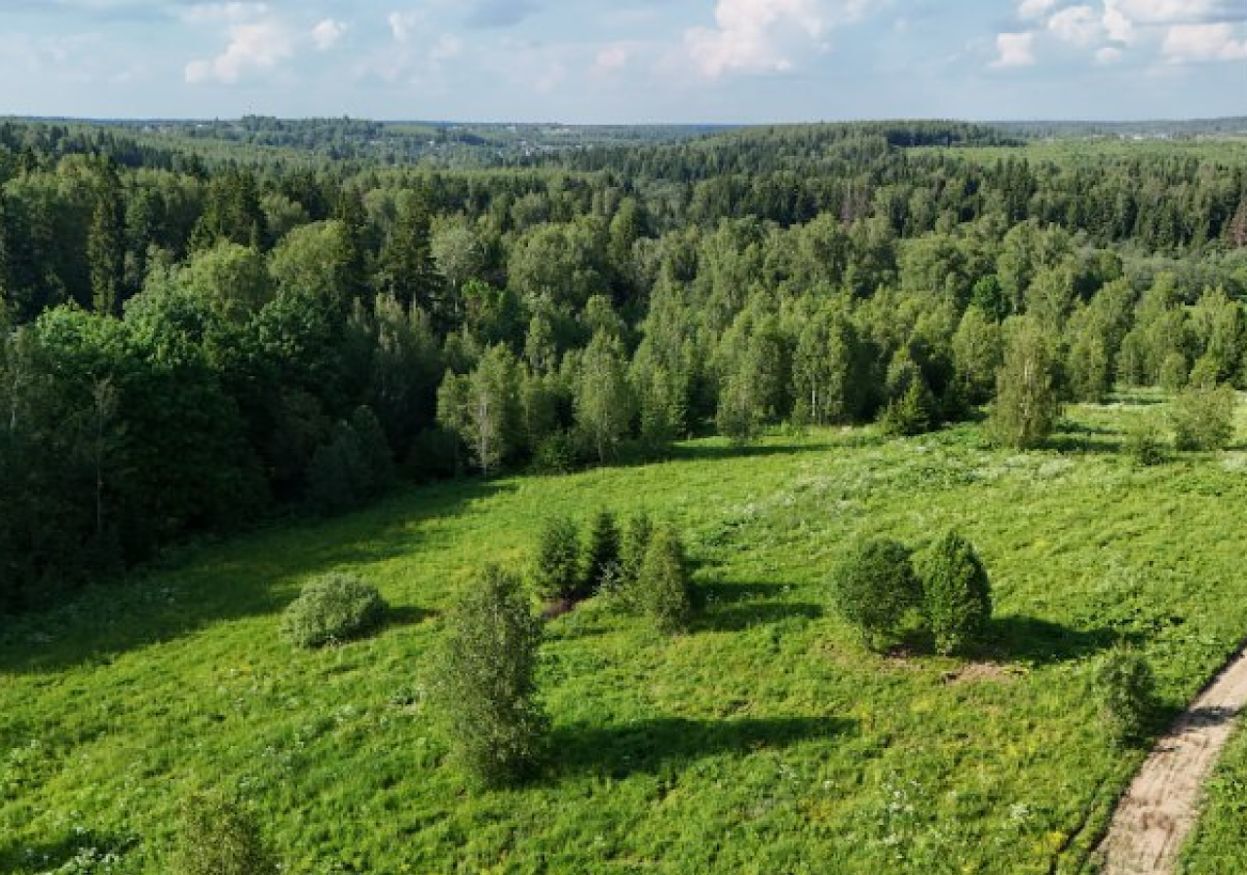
<point x="1157" y="813"/>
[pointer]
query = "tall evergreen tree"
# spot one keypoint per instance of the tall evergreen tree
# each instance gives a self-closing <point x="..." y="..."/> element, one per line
<point x="106" y="244"/>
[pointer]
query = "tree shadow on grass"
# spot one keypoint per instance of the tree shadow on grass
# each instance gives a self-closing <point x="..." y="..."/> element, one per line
<point x="649" y="746"/>
<point x="1085" y="441"/>
<point x="716" y="451"/>
<point x="734" y="607"/>
<point x="196" y="586"/>
<point x="1042" y="642"/>
<point x="21" y="857"/>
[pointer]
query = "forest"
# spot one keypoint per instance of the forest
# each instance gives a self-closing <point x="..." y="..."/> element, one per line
<point x="198" y="339"/>
<point x="424" y="497"/>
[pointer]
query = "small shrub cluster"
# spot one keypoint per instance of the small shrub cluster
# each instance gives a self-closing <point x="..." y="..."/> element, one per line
<point x="1145" y="444"/>
<point x="336" y="607"/>
<point x="1125" y="687"/>
<point x="219" y="835"/>
<point x="875" y="588"/>
<point x="1203" y="417"/>
<point x="484" y="683"/>
<point x="878" y="589"/>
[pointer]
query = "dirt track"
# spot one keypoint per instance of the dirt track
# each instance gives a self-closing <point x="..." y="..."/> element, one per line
<point x="1157" y="813"/>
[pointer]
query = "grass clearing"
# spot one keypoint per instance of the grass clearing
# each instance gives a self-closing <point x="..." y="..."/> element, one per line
<point x="766" y="740"/>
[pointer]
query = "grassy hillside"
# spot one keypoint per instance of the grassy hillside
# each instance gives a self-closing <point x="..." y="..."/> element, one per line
<point x="765" y="741"/>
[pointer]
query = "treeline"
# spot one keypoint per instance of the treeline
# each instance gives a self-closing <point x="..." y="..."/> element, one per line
<point x="187" y="351"/>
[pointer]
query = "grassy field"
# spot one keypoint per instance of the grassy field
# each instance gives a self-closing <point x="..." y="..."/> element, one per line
<point x="765" y="741"/>
<point x="1219" y="842"/>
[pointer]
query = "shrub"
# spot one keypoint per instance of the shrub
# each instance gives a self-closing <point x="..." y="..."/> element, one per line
<point x="484" y="680"/>
<point x="602" y="558"/>
<point x="956" y="593"/>
<point x="1145" y="444"/>
<point x="1125" y="687"/>
<point x="556" y="571"/>
<point x="332" y="608"/>
<point x="218" y="835"/>
<point x="875" y="587"/>
<point x="1203" y="418"/>
<point x="663" y="588"/>
<point x="555" y="454"/>
<point x="910" y="414"/>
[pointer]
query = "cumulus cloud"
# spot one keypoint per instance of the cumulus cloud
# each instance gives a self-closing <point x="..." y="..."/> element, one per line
<point x="1203" y="42"/>
<point x="1078" y="25"/>
<point x="1014" y="50"/>
<point x="327" y="33"/>
<point x="1107" y="55"/>
<point x="254" y="46"/>
<point x="1032" y="9"/>
<point x="760" y="36"/>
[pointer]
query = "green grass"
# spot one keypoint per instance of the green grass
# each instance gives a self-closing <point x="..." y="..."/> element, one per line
<point x="767" y="740"/>
<point x="1219" y="841"/>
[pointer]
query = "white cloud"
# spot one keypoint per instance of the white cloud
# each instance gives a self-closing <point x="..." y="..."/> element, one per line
<point x="761" y="36"/>
<point x="327" y="33"/>
<point x="611" y="59"/>
<point x="1014" y="50"/>
<point x="1181" y="11"/>
<point x="1032" y="9"/>
<point x="403" y="25"/>
<point x="1107" y="55"/>
<point x="1118" y="25"/>
<point x="1203" y="42"/>
<point x="215" y="13"/>
<point x="1078" y="25"/>
<point x="253" y="47"/>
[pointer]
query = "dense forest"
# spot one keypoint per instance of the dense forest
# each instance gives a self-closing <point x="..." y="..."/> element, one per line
<point x="196" y="335"/>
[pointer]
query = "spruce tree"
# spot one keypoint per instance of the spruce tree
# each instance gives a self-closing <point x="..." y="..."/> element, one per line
<point x="602" y="557"/>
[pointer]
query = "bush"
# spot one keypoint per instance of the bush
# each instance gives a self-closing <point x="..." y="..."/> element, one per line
<point x="956" y="593"/>
<point x="1203" y="418"/>
<point x="556" y="570"/>
<point x="663" y="588"/>
<point x="1145" y="444"/>
<point x="602" y="558"/>
<point x="875" y="587"/>
<point x="219" y="835"/>
<point x="555" y="454"/>
<point x="484" y="682"/>
<point x="332" y="608"/>
<point x="1125" y="688"/>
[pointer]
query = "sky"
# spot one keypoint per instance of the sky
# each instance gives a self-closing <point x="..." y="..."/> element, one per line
<point x="625" y="61"/>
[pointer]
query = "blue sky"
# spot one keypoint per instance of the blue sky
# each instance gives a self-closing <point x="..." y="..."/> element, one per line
<point x="625" y="60"/>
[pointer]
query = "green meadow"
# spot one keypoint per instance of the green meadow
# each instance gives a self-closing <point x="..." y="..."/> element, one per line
<point x="766" y="740"/>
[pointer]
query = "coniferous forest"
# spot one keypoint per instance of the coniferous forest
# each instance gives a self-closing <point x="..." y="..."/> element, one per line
<point x="204" y="333"/>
